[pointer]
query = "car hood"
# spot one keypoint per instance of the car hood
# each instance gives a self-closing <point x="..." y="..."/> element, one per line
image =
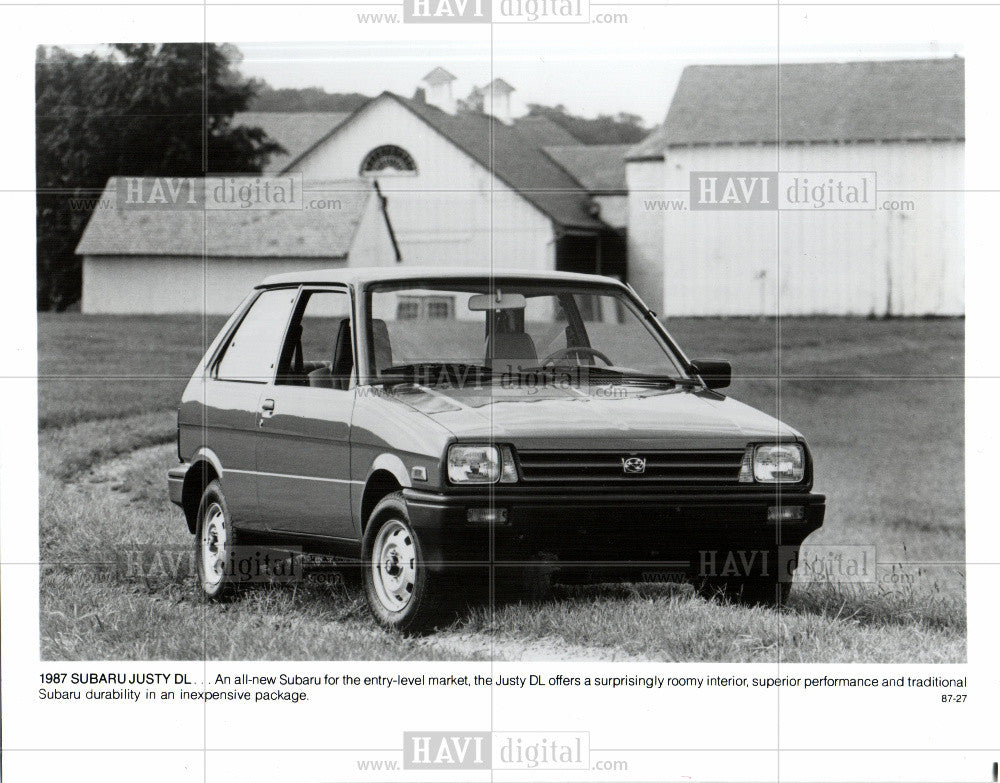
<point x="599" y="417"/>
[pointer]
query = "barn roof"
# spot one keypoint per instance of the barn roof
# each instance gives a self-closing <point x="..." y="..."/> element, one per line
<point x="600" y="168"/>
<point x="277" y="233"/>
<point x="885" y="100"/>
<point x="543" y="132"/>
<point x="515" y="159"/>
<point x="295" y="131"/>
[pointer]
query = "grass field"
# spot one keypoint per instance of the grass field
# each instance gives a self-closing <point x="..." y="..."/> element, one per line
<point x="881" y="403"/>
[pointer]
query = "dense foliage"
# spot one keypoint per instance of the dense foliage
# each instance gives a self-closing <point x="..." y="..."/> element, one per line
<point x="620" y="128"/>
<point x="136" y="109"/>
<point x="289" y="99"/>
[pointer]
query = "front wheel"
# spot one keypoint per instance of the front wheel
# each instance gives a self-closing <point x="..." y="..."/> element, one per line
<point x="402" y="593"/>
<point x="215" y="539"/>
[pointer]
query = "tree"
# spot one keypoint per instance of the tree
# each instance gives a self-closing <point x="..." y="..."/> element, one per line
<point x="620" y="128"/>
<point x="292" y="99"/>
<point x="138" y="110"/>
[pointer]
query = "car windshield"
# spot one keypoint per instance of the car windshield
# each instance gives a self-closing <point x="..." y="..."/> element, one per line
<point x="512" y="326"/>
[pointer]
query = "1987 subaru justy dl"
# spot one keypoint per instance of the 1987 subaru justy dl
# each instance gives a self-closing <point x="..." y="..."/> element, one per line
<point x="446" y="428"/>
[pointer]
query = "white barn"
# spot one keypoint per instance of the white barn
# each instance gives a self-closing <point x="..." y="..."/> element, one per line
<point x="459" y="188"/>
<point x="902" y="120"/>
<point x="195" y="261"/>
<point x="467" y="188"/>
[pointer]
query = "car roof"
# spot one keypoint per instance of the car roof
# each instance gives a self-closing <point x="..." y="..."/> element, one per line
<point x="360" y="275"/>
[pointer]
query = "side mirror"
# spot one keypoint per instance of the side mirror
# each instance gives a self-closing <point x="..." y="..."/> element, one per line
<point x="716" y="374"/>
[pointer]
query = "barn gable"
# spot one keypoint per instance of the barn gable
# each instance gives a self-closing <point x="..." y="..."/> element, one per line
<point x="504" y="152"/>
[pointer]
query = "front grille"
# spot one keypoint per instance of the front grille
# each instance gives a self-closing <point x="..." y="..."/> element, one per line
<point x="695" y="467"/>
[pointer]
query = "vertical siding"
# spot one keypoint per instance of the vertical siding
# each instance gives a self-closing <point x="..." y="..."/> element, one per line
<point x="645" y="230"/>
<point x="158" y="284"/>
<point x="453" y="212"/>
<point x="887" y="260"/>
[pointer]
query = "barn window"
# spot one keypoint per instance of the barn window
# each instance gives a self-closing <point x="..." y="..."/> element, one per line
<point x="388" y="159"/>
<point x="435" y="308"/>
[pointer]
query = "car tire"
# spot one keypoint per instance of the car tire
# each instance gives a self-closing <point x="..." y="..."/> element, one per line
<point x="402" y="593"/>
<point x="214" y="542"/>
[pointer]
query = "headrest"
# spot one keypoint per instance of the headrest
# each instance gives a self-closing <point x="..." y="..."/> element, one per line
<point x="381" y="344"/>
<point x="343" y="356"/>
<point x="508" y="346"/>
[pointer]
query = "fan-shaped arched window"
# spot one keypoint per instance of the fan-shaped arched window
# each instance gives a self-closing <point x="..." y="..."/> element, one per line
<point x="388" y="159"/>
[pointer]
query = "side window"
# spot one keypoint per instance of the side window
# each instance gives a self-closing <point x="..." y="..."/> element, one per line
<point x="318" y="350"/>
<point x="252" y="351"/>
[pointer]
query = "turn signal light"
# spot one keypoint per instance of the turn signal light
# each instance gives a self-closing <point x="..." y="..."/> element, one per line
<point x="487" y="516"/>
<point x="786" y="513"/>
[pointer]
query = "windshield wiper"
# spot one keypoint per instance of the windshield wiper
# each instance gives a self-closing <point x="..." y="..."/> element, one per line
<point x="610" y="374"/>
<point x="642" y="378"/>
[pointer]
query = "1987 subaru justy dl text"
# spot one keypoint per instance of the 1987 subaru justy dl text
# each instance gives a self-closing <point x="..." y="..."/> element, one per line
<point x="446" y="428"/>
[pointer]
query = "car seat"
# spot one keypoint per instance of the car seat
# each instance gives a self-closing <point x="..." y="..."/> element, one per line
<point x="510" y="351"/>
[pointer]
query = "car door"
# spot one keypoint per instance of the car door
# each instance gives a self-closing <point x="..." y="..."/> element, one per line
<point x="303" y="447"/>
<point x="234" y="386"/>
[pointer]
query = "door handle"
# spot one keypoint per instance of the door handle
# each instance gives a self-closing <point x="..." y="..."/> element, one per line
<point x="266" y="410"/>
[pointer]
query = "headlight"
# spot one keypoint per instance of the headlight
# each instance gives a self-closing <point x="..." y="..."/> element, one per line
<point x="779" y="462"/>
<point x="473" y="464"/>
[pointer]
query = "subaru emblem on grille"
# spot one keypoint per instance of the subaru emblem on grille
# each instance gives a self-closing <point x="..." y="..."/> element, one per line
<point x="633" y="464"/>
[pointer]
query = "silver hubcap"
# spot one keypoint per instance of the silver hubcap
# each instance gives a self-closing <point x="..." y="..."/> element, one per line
<point x="213" y="546"/>
<point x="394" y="566"/>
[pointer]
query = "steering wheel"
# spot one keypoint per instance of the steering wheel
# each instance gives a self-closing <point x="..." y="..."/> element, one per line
<point x="578" y="351"/>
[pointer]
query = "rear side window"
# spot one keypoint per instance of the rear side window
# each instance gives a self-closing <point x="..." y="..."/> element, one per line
<point x="252" y="351"/>
<point x="319" y="348"/>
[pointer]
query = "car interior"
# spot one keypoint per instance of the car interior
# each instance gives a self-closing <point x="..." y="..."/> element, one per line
<point x="508" y="347"/>
<point x="336" y="372"/>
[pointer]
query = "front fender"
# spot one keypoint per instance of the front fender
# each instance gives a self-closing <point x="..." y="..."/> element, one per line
<point x="392" y="464"/>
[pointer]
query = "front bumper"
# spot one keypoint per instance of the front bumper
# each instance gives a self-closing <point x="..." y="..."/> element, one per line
<point x="609" y="530"/>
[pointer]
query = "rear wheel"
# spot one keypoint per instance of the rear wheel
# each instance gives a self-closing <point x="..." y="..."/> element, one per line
<point x="402" y="593"/>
